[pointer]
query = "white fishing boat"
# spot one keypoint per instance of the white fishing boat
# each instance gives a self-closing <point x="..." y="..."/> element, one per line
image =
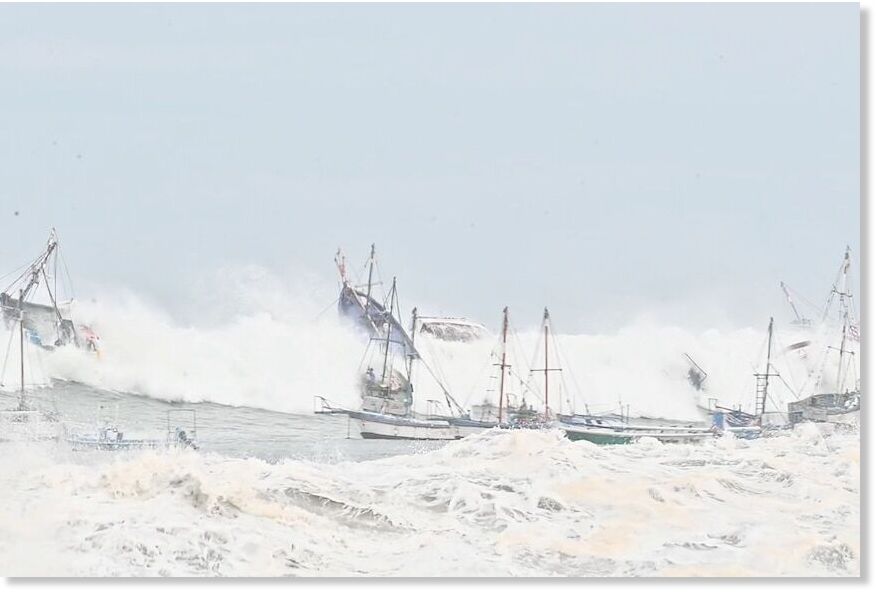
<point x="836" y="401"/>
<point x="108" y="437"/>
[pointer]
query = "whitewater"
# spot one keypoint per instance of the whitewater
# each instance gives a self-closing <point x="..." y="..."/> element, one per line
<point x="278" y="491"/>
<point x="502" y="503"/>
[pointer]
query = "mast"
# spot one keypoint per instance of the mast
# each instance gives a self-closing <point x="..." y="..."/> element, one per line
<point x="370" y="275"/>
<point x="21" y="402"/>
<point x="410" y="356"/>
<point x="341" y="263"/>
<point x="842" y="351"/>
<point x="502" y="366"/>
<point x="763" y="379"/>
<point x="389" y="325"/>
<point x="844" y="298"/>
<point x="546" y="320"/>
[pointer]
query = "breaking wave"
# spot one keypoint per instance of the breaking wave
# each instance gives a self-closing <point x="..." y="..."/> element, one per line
<point x="502" y="503"/>
<point x="264" y="344"/>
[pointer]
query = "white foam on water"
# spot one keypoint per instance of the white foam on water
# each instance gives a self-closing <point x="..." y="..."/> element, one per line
<point x="502" y="503"/>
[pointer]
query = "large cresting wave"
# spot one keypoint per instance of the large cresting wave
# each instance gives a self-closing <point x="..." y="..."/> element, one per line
<point x="280" y="348"/>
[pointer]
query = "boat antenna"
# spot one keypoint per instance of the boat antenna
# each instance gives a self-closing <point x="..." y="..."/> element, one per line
<point x="502" y="365"/>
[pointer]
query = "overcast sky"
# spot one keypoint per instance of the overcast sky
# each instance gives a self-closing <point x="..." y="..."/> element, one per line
<point x="607" y="161"/>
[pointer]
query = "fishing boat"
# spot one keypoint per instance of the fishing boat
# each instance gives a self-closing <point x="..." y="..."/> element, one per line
<point x="606" y="432"/>
<point x="25" y="422"/>
<point x="837" y="402"/>
<point x="616" y="427"/>
<point x="386" y="391"/>
<point x="508" y="408"/>
<point x="108" y="437"/>
<point x="48" y="324"/>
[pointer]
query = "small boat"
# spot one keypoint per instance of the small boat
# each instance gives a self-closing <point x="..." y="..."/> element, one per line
<point x="108" y="437"/>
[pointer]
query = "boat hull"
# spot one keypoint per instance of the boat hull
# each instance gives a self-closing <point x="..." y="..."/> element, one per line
<point x="625" y="435"/>
<point x="382" y="426"/>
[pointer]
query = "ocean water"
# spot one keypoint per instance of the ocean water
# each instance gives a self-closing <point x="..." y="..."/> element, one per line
<point x="290" y="495"/>
<point x="276" y="490"/>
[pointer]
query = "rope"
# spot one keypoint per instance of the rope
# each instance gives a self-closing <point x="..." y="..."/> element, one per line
<point x="6" y="358"/>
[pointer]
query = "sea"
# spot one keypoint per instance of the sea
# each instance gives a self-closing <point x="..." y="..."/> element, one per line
<point x="276" y="490"/>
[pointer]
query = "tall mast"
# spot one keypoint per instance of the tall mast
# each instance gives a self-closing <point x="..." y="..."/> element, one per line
<point x="845" y="310"/>
<point x="413" y="336"/>
<point x="388" y="327"/>
<point x="370" y="274"/>
<point x="546" y="320"/>
<point x="21" y="402"/>
<point x="502" y="366"/>
<point x="842" y="351"/>
<point x="763" y="379"/>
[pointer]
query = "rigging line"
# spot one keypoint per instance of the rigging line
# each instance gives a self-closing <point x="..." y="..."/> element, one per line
<point x="6" y="358"/>
<point x="323" y="312"/>
<point x="783" y="354"/>
<point x="480" y="372"/>
<point x="443" y="389"/>
<point x="430" y="350"/>
<point x="67" y="276"/>
<point x="566" y="363"/>
<point x="15" y="271"/>
<point x="790" y="388"/>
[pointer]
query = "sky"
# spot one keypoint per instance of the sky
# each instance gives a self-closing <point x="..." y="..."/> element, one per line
<point x="612" y="162"/>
